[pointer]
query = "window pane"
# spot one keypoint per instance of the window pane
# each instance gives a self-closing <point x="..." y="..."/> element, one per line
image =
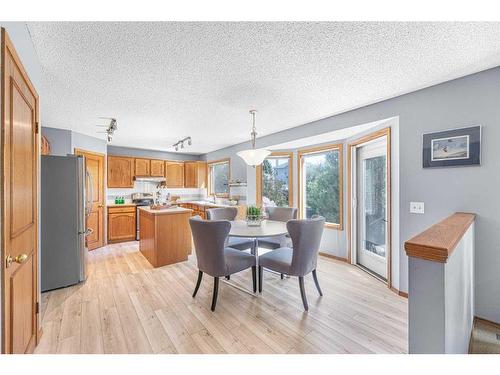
<point x="275" y="189"/>
<point x="322" y="183"/>
<point x="374" y="204"/>
<point x="220" y="178"/>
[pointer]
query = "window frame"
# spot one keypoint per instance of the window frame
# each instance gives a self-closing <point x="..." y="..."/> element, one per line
<point x="318" y="150"/>
<point x="210" y="164"/>
<point x="258" y="173"/>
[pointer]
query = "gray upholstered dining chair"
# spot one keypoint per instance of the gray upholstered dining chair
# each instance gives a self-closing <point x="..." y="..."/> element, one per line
<point x="302" y="258"/>
<point x="229" y="213"/>
<point x="277" y="214"/>
<point x="212" y="255"/>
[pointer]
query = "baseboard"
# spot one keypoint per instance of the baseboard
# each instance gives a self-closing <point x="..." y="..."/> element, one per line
<point x="399" y="292"/>
<point x="326" y="255"/>
<point x="487" y="321"/>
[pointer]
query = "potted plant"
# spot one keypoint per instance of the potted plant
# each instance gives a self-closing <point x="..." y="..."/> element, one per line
<point x="254" y="216"/>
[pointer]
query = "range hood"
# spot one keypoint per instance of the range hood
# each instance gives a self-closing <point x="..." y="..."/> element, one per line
<point x="151" y="179"/>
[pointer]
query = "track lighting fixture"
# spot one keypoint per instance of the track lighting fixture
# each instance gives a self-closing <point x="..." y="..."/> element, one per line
<point x="180" y="143"/>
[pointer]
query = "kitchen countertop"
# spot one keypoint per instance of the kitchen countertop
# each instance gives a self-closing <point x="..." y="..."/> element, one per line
<point x="121" y="205"/>
<point x="166" y="211"/>
<point x="208" y="204"/>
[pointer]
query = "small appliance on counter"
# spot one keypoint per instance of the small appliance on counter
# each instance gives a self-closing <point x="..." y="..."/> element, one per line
<point x="141" y="199"/>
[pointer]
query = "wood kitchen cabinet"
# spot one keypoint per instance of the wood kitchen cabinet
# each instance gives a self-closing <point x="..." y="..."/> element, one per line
<point x="174" y="174"/>
<point x="157" y="168"/>
<point x="142" y="167"/>
<point x="121" y="224"/>
<point x="195" y="174"/>
<point x="120" y="172"/>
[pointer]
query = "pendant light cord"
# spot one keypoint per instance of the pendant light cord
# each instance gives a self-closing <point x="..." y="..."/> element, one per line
<point x="254" y="132"/>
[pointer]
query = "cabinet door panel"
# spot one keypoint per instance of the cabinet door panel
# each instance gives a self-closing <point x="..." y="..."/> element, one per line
<point x="120" y="172"/>
<point x="121" y="227"/>
<point x="157" y="168"/>
<point x="175" y="174"/>
<point x="142" y="167"/>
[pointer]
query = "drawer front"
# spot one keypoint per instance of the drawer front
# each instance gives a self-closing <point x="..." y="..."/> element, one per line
<point x="116" y="210"/>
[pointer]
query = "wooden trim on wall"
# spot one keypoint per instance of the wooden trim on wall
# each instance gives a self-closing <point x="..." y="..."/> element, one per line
<point x="258" y="177"/>
<point x="209" y="184"/>
<point x="386" y="132"/>
<point x="319" y="149"/>
<point x="327" y="255"/>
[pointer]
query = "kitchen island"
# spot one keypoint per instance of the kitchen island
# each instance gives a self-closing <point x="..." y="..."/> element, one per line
<point x="165" y="235"/>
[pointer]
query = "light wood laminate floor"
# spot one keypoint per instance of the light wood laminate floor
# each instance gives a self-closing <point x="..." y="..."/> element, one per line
<point x="126" y="306"/>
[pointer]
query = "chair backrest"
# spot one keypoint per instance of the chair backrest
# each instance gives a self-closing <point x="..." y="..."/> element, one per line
<point x="306" y="237"/>
<point x="224" y="213"/>
<point x="209" y="238"/>
<point x="282" y="213"/>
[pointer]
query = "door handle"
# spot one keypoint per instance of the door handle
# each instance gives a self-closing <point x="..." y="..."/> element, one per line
<point x="21" y="258"/>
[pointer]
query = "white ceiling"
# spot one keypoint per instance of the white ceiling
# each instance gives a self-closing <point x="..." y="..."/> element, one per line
<point x="165" y="81"/>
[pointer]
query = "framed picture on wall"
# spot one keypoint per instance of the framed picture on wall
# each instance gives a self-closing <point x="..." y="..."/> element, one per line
<point x="452" y="148"/>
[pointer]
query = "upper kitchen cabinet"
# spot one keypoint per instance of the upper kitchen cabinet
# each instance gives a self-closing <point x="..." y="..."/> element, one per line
<point x="120" y="172"/>
<point x="195" y="174"/>
<point x="174" y="174"/>
<point x="157" y="168"/>
<point x="142" y="167"/>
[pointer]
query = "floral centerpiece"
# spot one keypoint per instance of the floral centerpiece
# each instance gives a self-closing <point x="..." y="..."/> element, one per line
<point x="254" y="216"/>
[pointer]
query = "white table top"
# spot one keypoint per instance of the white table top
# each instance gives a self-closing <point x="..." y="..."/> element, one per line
<point x="269" y="228"/>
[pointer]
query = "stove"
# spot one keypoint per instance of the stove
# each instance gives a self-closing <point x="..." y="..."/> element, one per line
<point x="141" y="199"/>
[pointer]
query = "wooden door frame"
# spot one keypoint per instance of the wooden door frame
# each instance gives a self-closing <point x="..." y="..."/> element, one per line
<point x="386" y="132"/>
<point x="5" y="40"/>
<point x="103" y="189"/>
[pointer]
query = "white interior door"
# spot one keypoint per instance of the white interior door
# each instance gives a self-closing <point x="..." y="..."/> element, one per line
<point x="371" y="206"/>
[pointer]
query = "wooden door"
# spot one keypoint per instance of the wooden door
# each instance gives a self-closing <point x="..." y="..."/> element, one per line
<point x="120" y="172"/>
<point x="142" y="167"/>
<point x="175" y="174"/>
<point x="190" y="175"/>
<point x="157" y="168"/>
<point x="20" y="153"/>
<point x="94" y="162"/>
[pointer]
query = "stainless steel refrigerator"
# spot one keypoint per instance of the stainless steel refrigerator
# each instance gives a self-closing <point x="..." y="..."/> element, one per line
<point x="65" y="205"/>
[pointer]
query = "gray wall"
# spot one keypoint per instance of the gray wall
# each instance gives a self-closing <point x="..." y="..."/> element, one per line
<point x="471" y="100"/>
<point x="21" y="39"/>
<point x="87" y="143"/>
<point x="153" y="154"/>
<point x="59" y="139"/>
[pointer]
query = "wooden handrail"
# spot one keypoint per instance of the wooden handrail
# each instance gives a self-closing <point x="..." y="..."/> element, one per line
<point x="438" y="242"/>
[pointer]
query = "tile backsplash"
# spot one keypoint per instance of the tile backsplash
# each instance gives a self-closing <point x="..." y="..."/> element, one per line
<point x="150" y="187"/>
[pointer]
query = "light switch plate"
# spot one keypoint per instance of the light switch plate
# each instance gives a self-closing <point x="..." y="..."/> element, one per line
<point x="417" y="207"/>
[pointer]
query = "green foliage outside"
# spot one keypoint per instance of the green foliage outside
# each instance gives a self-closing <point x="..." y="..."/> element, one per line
<point x="273" y="187"/>
<point x="322" y="187"/>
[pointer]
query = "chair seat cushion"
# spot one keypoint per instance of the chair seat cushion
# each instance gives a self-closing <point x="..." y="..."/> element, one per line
<point x="279" y="260"/>
<point x="240" y="243"/>
<point x="272" y="242"/>
<point x="237" y="260"/>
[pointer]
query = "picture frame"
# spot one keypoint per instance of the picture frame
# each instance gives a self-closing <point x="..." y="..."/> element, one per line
<point x="452" y="148"/>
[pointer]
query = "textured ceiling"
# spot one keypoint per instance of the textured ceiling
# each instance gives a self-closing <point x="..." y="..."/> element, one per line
<point x="164" y="81"/>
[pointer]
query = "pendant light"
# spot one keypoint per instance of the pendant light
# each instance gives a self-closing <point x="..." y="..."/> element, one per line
<point x="253" y="157"/>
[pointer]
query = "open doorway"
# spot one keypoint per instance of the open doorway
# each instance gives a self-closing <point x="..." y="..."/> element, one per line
<point x="369" y="185"/>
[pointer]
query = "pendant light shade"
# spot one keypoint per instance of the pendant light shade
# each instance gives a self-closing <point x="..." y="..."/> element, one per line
<point x="253" y="157"/>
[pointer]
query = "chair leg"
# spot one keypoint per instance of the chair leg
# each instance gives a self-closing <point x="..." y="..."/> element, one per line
<point x="228" y="277"/>
<point x="303" y="292"/>
<point x="282" y="276"/>
<point x="315" y="277"/>
<point x="254" y="278"/>
<point x="216" y="291"/>
<point x="200" y="275"/>
<point x="260" y="279"/>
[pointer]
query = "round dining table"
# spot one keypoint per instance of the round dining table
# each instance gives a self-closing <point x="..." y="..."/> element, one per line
<point x="268" y="228"/>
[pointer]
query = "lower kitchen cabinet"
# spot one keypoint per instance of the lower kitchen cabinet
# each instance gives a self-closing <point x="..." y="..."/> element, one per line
<point x="121" y="224"/>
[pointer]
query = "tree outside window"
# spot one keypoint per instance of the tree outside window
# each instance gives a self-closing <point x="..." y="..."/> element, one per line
<point x="321" y="185"/>
<point x="219" y="178"/>
<point x="275" y="182"/>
